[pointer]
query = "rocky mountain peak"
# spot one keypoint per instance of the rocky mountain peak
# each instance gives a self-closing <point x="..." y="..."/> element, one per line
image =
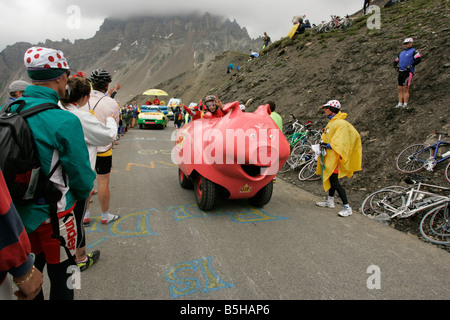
<point x="139" y="51"/>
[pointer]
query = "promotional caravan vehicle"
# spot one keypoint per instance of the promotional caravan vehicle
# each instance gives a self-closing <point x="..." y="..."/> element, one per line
<point x="154" y="116"/>
<point x="236" y="156"/>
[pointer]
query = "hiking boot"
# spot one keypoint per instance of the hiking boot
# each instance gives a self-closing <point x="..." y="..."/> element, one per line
<point x="345" y="212"/>
<point x="328" y="203"/>
<point x="92" y="258"/>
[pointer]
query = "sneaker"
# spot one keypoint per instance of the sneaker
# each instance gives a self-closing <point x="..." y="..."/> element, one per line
<point x="109" y="218"/>
<point x="399" y="106"/>
<point x="345" y="212"/>
<point x="86" y="218"/>
<point x="92" y="258"/>
<point x="329" y="203"/>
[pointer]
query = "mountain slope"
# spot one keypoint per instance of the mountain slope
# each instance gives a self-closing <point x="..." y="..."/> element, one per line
<point x="355" y="67"/>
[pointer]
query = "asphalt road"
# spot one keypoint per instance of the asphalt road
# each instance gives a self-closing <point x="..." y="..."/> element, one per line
<point x="165" y="248"/>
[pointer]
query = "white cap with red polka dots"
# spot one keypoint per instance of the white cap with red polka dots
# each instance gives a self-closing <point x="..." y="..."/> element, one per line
<point x="333" y="103"/>
<point x="39" y="57"/>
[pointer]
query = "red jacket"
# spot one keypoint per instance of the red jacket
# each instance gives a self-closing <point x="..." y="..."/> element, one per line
<point x="218" y="114"/>
<point x="15" y="247"/>
<point x="196" y="114"/>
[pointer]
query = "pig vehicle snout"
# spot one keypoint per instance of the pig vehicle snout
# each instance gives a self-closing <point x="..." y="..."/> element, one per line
<point x="241" y="152"/>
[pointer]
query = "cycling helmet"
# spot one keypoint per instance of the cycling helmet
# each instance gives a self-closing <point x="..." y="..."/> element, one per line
<point x="333" y="103"/>
<point x="210" y="98"/>
<point x="210" y="101"/>
<point x="100" y="76"/>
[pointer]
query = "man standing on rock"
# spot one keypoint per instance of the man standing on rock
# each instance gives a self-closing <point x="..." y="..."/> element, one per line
<point x="342" y="155"/>
<point x="405" y="65"/>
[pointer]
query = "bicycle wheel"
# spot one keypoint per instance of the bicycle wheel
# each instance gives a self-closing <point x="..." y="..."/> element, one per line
<point x="386" y="203"/>
<point x="291" y="162"/>
<point x="302" y="153"/>
<point x="447" y="172"/>
<point x="288" y="166"/>
<point x="366" y="207"/>
<point x="435" y="225"/>
<point x="413" y="158"/>
<point x="329" y="26"/>
<point x="308" y="172"/>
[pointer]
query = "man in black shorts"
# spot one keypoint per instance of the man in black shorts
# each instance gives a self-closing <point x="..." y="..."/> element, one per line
<point x="103" y="107"/>
<point x="405" y="65"/>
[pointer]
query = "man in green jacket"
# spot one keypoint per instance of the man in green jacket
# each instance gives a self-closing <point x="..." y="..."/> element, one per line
<point x="58" y="135"/>
<point x="275" y="116"/>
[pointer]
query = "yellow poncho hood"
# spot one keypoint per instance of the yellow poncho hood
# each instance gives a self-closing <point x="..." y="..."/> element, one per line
<point x="345" y="152"/>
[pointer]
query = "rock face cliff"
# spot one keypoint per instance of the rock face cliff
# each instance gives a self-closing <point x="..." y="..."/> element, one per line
<point x="140" y="52"/>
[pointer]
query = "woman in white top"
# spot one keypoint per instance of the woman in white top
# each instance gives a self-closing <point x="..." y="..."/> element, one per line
<point x="95" y="134"/>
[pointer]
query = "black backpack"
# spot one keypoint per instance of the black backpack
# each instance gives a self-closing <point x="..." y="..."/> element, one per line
<point x="18" y="154"/>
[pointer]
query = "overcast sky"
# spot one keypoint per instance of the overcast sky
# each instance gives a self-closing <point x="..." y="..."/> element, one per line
<point x="37" y="20"/>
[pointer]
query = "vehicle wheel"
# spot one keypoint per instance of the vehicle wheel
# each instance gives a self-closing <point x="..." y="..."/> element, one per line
<point x="435" y="225"/>
<point x="205" y="193"/>
<point x="413" y="158"/>
<point x="263" y="196"/>
<point x="141" y="126"/>
<point x="184" y="181"/>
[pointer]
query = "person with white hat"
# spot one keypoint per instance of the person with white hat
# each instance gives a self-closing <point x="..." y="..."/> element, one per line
<point x="16" y="89"/>
<point x="59" y="139"/>
<point x="343" y="155"/>
<point x="405" y="65"/>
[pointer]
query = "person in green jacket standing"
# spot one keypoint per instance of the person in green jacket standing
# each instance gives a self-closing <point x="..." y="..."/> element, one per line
<point x="275" y="116"/>
<point x="58" y="135"/>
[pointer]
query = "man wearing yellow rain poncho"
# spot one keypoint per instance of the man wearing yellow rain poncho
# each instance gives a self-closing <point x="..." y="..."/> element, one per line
<point x="343" y="156"/>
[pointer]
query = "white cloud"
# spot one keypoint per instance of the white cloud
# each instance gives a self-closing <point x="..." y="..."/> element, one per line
<point x="37" y="20"/>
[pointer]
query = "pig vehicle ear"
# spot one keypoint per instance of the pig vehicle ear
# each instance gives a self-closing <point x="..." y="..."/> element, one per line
<point x="264" y="109"/>
<point x="234" y="106"/>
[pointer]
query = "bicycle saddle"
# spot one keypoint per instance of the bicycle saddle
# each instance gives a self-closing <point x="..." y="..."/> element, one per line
<point x="413" y="179"/>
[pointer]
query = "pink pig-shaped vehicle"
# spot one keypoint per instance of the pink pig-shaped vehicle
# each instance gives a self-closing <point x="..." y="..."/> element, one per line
<point x="236" y="156"/>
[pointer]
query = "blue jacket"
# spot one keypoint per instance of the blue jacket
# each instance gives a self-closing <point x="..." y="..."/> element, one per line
<point x="409" y="57"/>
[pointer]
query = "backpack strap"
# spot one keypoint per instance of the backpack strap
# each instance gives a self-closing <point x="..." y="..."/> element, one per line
<point x="95" y="103"/>
<point x="36" y="109"/>
<point x="29" y="112"/>
<point x="52" y="196"/>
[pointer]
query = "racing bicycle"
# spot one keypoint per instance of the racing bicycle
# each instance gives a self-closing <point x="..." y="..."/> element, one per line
<point x="402" y="202"/>
<point x="418" y="156"/>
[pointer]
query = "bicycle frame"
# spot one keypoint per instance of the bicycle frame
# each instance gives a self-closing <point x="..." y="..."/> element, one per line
<point x="413" y="194"/>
